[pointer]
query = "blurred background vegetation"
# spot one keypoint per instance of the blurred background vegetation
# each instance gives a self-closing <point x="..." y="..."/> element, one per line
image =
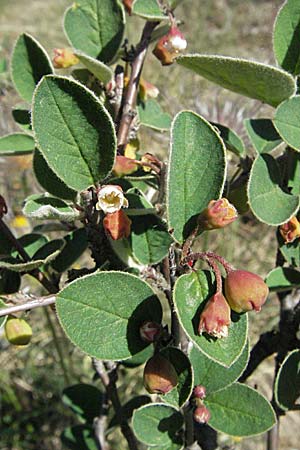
<point x="32" y="415"/>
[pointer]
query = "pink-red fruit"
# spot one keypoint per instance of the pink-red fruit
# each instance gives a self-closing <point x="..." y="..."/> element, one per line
<point x="201" y="414"/>
<point x="199" y="391"/>
<point x="170" y="46"/>
<point x="150" y="331"/>
<point x="160" y="376"/>
<point x="124" y="166"/>
<point x="17" y="331"/>
<point x="215" y="317"/>
<point x="218" y="214"/>
<point x="245" y="291"/>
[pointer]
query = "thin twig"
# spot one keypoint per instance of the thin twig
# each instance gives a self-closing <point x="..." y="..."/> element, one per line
<point x="169" y="271"/>
<point x="36" y="303"/>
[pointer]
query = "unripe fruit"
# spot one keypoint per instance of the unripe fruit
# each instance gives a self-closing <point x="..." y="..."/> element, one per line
<point x="160" y="376"/>
<point x="215" y="317"/>
<point x="245" y="291"/>
<point x="170" y="46"/>
<point x="201" y="414"/>
<point x="17" y="331"/>
<point x="199" y="391"/>
<point x="124" y="166"/>
<point x="150" y="331"/>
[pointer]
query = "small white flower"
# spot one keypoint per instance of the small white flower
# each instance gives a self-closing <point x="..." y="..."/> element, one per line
<point x="178" y="43"/>
<point x="111" y="199"/>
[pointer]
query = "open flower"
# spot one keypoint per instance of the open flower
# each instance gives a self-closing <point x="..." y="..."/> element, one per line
<point x="111" y="199"/>
<point x="290" y="230"/>
<point x="215" y="317"/>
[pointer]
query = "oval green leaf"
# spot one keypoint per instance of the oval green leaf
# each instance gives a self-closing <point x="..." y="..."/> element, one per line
<point x="101" y="313"/>
<point x="286" y="37"/>
<point x="85" y="400"/>
<point x="95" y="27"/>
<point x="151" y="115"/>
<point x="79" y="437"/>
<point x="29" y="64"/>
<point x="75" y="244"/>
<point x="286" y="121"/>
<point x="44" y="207"/>
<point x="148" y="9"/>
<point x="268" y="202"/>
<point x="102" y="72"/>
<point x="252" y="79"/>
<point x="22" y="117"/>
<point x="240" y="410"/>
<point x="197" y="171"/>
<point x="283" y="279"/>
<point x="49" y="180"/>
<point x="287" y="383"/>
<point x="262" y="134"/>
<point x="181" y="363"/>
<point x="190" y="294"/>
<point x="74" y="132"/>
<point x="157" y="424"/>
<point x="232" y="141"/>
<point x="16" y="144"/>
<point x="214" y="376"/>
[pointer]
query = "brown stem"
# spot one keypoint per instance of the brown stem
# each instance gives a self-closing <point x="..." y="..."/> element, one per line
<point x="132" y="89"/>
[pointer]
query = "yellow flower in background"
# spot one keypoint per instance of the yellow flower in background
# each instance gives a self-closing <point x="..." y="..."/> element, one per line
<point x="20" y="221"/>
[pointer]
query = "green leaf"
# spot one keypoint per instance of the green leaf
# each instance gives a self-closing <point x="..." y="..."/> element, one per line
<point x="151" y="115"/>
<point x="102" y="313"/>
<point x="286" y="37"/>
<point x="127" y="410"/>
<point x="138" y="203"/>
<point x="252" y="79"/>
<point x="75" y="244"/>
<point x="286" y="121"/>
<point x="232" y="141"/>
<point x="214" y="376"/>
<point x="150" y="239"/>
<point x="95" y="27"/>
<point x="287" y="383"/>
<point x="139" y="358"/>
<point x="283" y="279"/>
<point x="181" y="363"/>
<point x="97" y="68"/>
<point x="3" y="65"/>
<point x="2" y="305"/>
<point x="262" y="134"/>
<point x="148" y="9"/>
<point x="240" y="410"/>
<point x="31" y="243"/>
<point x="268" y="202"/>
<point x="16" y="144"/>
<point x="290" y="252"/>
<point x="22" y="118"/>
<point x="49" y="180"/>
<point x="190" y="294"/>
<point x="79" y="437"/>
<point x="5" y="245"/>
<point x="293" y="171"/>
<point x="197" y="171"/>
<point x="9" y="282"/>
<point x="29" y="64"/>
<point x="122" y="248"/>
<point x="74" y="132"/>
<point x="84" y="400"/>
<point x="44" y="207"/>
<point x="157" y="424"/>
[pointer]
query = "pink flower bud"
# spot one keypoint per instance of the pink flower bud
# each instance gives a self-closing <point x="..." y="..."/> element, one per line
<point x="117" y="225"/>
<point x="124" y="166"/>
<point x="218" y="214"/>
<point x="170" y="46"/>
<point x="160" y="376"/>
<point x="215" y="317"/>
<point x="64" y="58"/>
<point x="245" y="291"/>
<point x="201" y="414"/>
<point x="128" y="5"/>
<point x="290" y="230"/>
<point x="147" y="89"/>
<point x="17" y="331"/>
<point x="199" y="391"/>
<point x="150" y="331"/>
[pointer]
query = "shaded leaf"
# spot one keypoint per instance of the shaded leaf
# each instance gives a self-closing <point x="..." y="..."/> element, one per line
<point x="283" y="279"/>
<point x="79" y="147"/>
<point x="286" y="121"/>
<point x="22" y="118"/>
<point x="197" y="171"/>
<point x="290" y="252"/>
<point x="75" y="244"/>
<point x="287" y="383"/>
<point x="252" y="79"/>
<point x="262" y="134"/>
<point x="116" y="304"/>
<point x="148" y="9"/>
<point x="44" y="207"/>
<point x="151" y="115"/>
<point x="10" y="282"/>
<point x="79" y="437"/>
<point x="127" y="410"/>
<point x="16" y="144"/>
<point x="102" y="72"/>
<point x="268" y="202"/>
<point x="232" y="141"/>
<point x="84" y="400"/>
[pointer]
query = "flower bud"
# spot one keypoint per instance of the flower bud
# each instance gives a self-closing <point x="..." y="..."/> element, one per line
<point x="128" y="5"/>
<point x="3" y="207"/>
<point x="218" y="214"/>
<point x="245" y="291"/>
<point x="170" y="46"/>
<point x="150" y="331"/>
<point x="147" y="89"/>
<point x="160" y="376"/>
<point x="124" y="166"/>
<point x="117" y="225"/>
<point x="199" y="391"/>
<point x="17" y="331"/>
<point x="201" y="414"/>
<point x="290" y="230"/>
<point x="64" y="58"/>
<point x="215" y="317"/>
<point x="111" y="199"/>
